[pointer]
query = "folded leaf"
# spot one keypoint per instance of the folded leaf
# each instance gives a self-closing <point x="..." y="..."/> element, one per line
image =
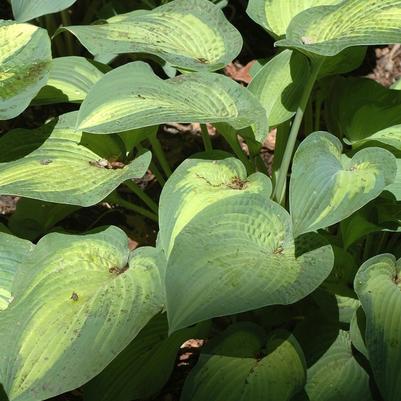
<point x="25" y="57"/>
<point x="327" y="30"/>
<point x="279" y="85"/>
<point x="337" y="186"/>
<point x="197" y="184"/>
<point x="239" y="254"/>
<point x="276" y="15"/>
<point x="13" y="250"/>
<point x="70" y="80"/>
<point x="79" y="301"/>
<point x="377" y="284"/>
<point x="132" y="96"/>
<point x="244" y="364"/>
<point x="56" y="164"/>
<point x="25" y="10"/>
<point x="189" y="34"/>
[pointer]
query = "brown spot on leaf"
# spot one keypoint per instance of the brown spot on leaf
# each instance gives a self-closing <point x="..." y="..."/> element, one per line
<point x="118" y="270"/>
<point x="110" y="165"/>
<point x="237" y="183"/>
<point x="45" y="162"/>
<point x="74" y="297"/>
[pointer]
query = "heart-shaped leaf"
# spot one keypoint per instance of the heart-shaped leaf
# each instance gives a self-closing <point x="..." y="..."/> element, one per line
<point x="13" y="250"/>
<point x="25" y="57"/>
<point x="377" y="284"/>
<point x="54" y="164"/>
<point x="279" y="85"/>
<point x="78" y="302"/>
<point x="327" y="30"/>
<point x="70" y="80"/>
<point x="25" y="10"/>
<point x="132" y="96"/>
<point x="244" y="364"/>
<point x="239" y="254"/>
<point x="276" y="15"/>
<point x="337" y="186"/>
<point x="144" y="367"/>
<point x="189" y="34"/>
<point x="197" y="184"/>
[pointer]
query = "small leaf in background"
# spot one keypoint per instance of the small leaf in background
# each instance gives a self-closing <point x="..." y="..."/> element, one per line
<point x="33" y="218"/>
<point x="276" y="15"/>
<point x="337" y="186"/>
<point x="25" y="10"/>
<point x="94" y="295"/>
<point x="378" y="287"/>
<point x="243" y="363"/>
<point x="132" y="96"/>
<point x="70" y="80"/>
<point x="12" y="254"/>
<point x="188" y="34"/>
<point x="279" y="85"/>
<point x="144" y="367"/>
<point x="197" y="184"/>
<point x="361" y="110"/>
<point x="25" y="57"/>
<point x="239" y="254"/>
<point x="327" y="30"/>
<point x="54" y="164"/>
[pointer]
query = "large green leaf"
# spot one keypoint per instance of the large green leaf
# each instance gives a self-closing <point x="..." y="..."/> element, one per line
<point x="25" y="57"/>
<point x="56" y="164"/>
<point x="326" y="186"/>
<point x="197" y="184"/>
<point x="378" y="287"/>
<point x="239" y="254"/>
<point x="13" y="250"/>
<point x="327" y="30"/>
<point x="144" y="367"/>
<point x="276" y="15"/>
<point x="190" y="34"/>
<point x="279" y="85"/>
<point x="243" y="364"/>
<point x="70" y="80"/>
<point x="25" y="10"/>
<point x="132" y="96"/>
<point x="78" y="302"/>
<point x="337" y="376"/>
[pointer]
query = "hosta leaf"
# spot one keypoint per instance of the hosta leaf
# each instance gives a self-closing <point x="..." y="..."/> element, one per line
<point x="195" y="185"/>
<point x="13" y="250"/>
<point x="189" y="34"/>
<point x="70" y="80"/>
<point x="279" y="85"/>
<point x="25" y="10"/>
<point x="33" y="218"/>
<point x="244" y="364"/>
<point x="337" y="375"/>
<point x="239" y="254"/>
<point x="327" y="30"/>
<point x="276" y="15"/>
<point x="395" y="187"/>
<point x="132" y="96"/>
<point x="79" y="301"/>
<point x="53" y="164"/>
<point x="377" y="284"/>
<point x="144" y="367"/>
<point x="337" y="186"/>
<point x="361" y="110"/>
<point x="25" y="57"/>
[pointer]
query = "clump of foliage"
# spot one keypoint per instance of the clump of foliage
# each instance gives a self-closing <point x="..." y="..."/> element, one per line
<point x="302" y="263"/>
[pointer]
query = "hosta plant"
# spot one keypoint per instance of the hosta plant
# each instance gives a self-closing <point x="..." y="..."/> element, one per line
<point x="290" y="273"/>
